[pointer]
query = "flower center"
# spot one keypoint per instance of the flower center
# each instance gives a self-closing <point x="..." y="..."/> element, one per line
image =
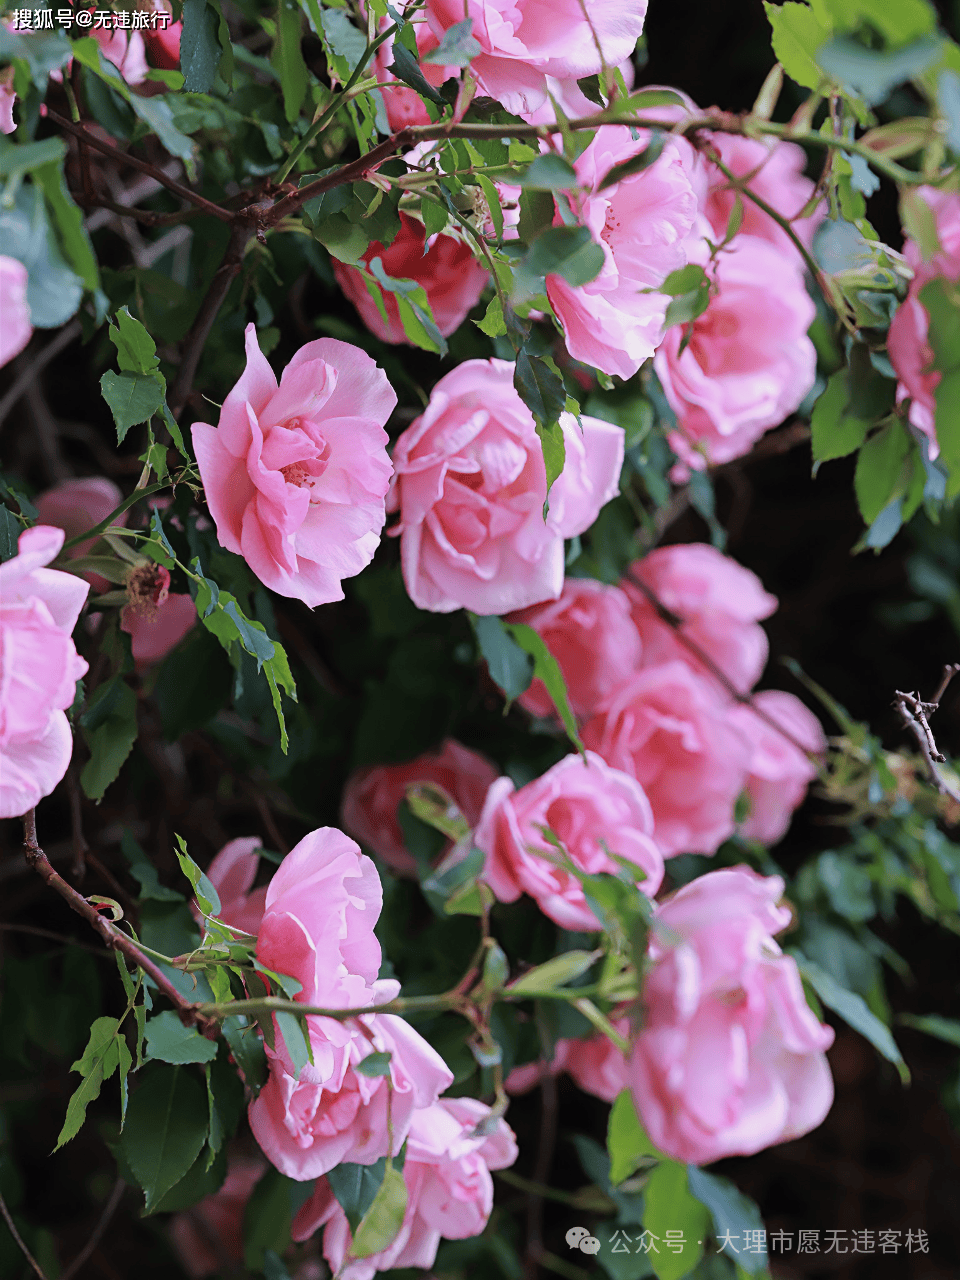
<point x="148" y="586"/>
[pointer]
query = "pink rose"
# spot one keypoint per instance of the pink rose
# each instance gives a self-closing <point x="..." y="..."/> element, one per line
<point x="720" y="604"/>
<point x="334" y="1113"/>
<point x="592" y="809"/>
<point x="642" y="223"/>
<point x="748" y="362"/>
<point x="471" y="485"/>
<point x="596" y="1065"/>
<point x="907" y="345"/>
<point x="163" y="45"/>
<point x="77" y="505"/>
<point x="16" y="330"/>
<point x="125" y="49"/>
<point x="777" y="169"/>
<point x="232" y="873"/>
<point x="670" y="729"/>
<point x="209" y="1236"/>
<point x="594" y="640"/>
<point x="295" y="476"/>
<point x="318" y="926"/>
<point x="449" y="1190"/>
<point x="7" y="99"/>
<point x="524" y="41"/>
<point x="778" y="773"/>
<point x="39" y="668"/>
<point x="451" y="276"/>
<point x="321" y="907"/>
<point x="731" y="1057"/>
<point x="155" y="633"/>
<point x="372" y="794"/>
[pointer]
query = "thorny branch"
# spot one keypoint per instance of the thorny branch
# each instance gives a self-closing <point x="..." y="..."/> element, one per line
<point x="914" y="714"/>
<point x="674" y="621"/>
<point x="19" y="1239"/>
<point x="113" y="937"/>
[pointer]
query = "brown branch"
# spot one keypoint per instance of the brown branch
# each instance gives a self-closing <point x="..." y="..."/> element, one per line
<point x="113" y="937"/>
<point x="676" y="622"/>
<point x="246" y="224"/>
<point x="355" y="171"/>
<point x="914" y="713"/>
<point x="19" y="1241"/>
<point x="145" y="216"/>
<point x="124" y="157"/>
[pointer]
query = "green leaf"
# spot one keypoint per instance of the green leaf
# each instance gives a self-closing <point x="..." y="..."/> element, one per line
<point x="16" y="160"/>
<point x="493" y="324"/>
<point x="536" y="213"/>
<point x="636" y="164"/>
<point x="406" y="68"/>
<point x="381" y="1223"/>
<point x="457" y="48"/>
<point x="873" y="73"/>
<point x="54" y="291"/>
<point x="549" y="172"/>
<point x="570" y="252"/>
<point x="547" y="669"/>
<point x="346" y="42"/>
<point x="669" y="1206"/>
<point x="835" y="433"/>
<point x="355" y="1187"/>
<point x="247" y="1048"/>
<point x="206" y="895"/>
<point x="627" y="1141"/>
<point x="287" y="58"/>
<point x="268" y="1215"/>
<point x="879" y="469"/>
<point x="167" y="1124"/>
<point x="110" y="728"/>
<point x="555" y="973"/>
<point x="199" y="46"/>
<point x="932" y="1024"/>
<point x="142" y="869"/>
<point x="92" y="1065"/>
<point x="136" y="350"/>
<point x="510" y="666"/>
<point x="855" y="1012"/>
<point x="732" y="1212"/>
<point x="132" y="397"/>
<point x="374" y="1065"/>
<point x="69" y="221"/>
<point x="170" y="1041"/>
<point x="293" y="1030"/>
<point x="540" y="388"/>
<point x="10" y="531"/>
<point x="797" y="35"/>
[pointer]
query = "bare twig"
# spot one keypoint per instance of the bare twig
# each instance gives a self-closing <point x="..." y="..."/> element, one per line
<point x="113" y="937"/>
<point x="124" y="157"/>
<point x="80" y="845"/>
<point x="39" y="362"/>
<point x="116" y="1195"/>
<point x="17" y="1237"/>
<point x="240" y="233"/>
<point x="914" y="713"/>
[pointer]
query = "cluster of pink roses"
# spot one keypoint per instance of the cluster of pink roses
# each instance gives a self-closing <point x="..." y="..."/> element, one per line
<point x="315" y="922"/>
<point x="670" y="754"/>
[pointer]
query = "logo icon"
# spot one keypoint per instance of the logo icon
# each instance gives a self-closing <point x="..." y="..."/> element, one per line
<point x="580" y="1238"/>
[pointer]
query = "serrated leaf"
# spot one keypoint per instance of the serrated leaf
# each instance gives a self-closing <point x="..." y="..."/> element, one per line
<point x="136" y="350"/>
<point x="636" y="164"/>
<point x="458" y="47"/>
<point x="548" y="172"/>
<point x="206" y="895"/>
<point x="133" y="398"/>
<point x="293" y="1031"/>
<point x="406" y="68"/>
<point x="555" y="973"/>
<point x="879" y="468"/>
<point x="834" y="432"/>
<point x="493" y="324"/>
<point x="167" y="1124"/>
<point x="669" y="1205"/>
<point x="170" y="1041"/>
<point x="355" y="1187"/>
<point x="110" y="737"/>
<point x="199" y="46"/>
<point x="797" y="35"/>
<point x="374" y="1065"/>
<point x="732" y="1212"/>
<point x="287" y="58"/>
